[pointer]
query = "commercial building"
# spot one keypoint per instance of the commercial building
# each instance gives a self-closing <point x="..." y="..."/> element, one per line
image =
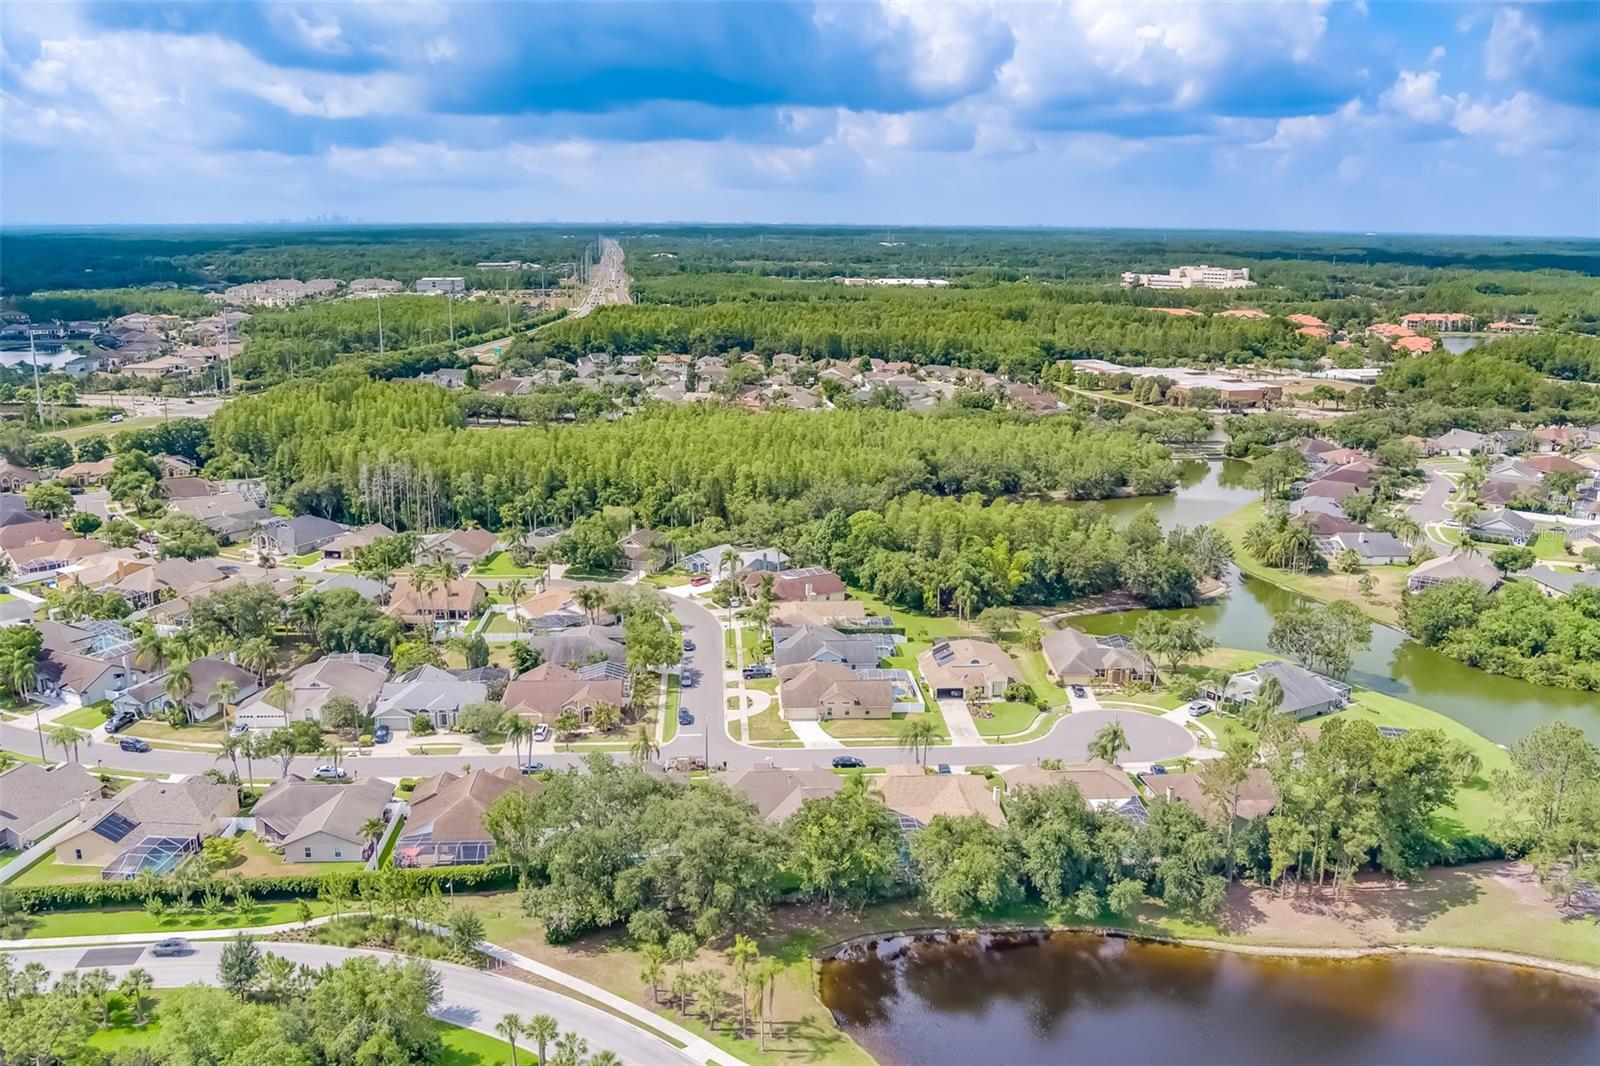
<point x="1191" y="277"/>
<point x="437" y="285"/>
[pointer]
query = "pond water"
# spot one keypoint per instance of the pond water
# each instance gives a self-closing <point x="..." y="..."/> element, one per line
<point x="1206" y="492"/>
<point x="1501" y="708"/>
<point x="1076" y="998"/>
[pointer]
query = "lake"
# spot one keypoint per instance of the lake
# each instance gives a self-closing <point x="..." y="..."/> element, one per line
<point x="1503" y="709"/>
<point x="1079" y="998"/>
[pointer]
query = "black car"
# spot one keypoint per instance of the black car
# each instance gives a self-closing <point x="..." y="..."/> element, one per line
<point x="684" y="717"/>
<point x="134" y="744"/>
<point x="688" y="645"/>
<point x="1080" y="692"/>
<point x="847" y="762"/>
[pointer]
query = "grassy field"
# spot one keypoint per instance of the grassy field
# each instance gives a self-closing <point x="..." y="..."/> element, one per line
<point x="49" y="872"/>
<point x="209" y="731"/>
<point x="257" y="860"/>
<point x="1008" y="718"/>
<point x="90" y="429"/>
<point x="500" y="564"/>
<point x="1383" y="606"/>
<point x="83" y="718"/>
<point x="1036" y="673"/>
<point x="500" y="622"/>
<point x="918" y="627"/>
<point x="768" y="727"/>
<point x="137" y="920"/>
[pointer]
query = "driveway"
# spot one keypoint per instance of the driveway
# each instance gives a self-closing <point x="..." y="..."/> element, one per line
<point x="812" y="735"/>
<point x="1087" y="702"/>
<point x="958" y="720"/>
<point x="473" y="999"/>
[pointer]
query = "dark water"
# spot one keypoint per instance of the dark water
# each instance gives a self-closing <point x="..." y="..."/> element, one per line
<point x="1075" y="999"/>
<point x="1501" y="708"/>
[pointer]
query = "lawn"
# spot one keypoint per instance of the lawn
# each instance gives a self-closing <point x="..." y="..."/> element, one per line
<point x="388" y="846"/>
<point x="1551" y="546"/>
<point x="90" y="717"/>
<point x="1035" y="672"/>
<point x="435" y="749"/>
<point x="49" y="872"/>
<point x="768" y="727"/>
<point x="917" y="626"/>
<point x="1008" y="718"/>
<point x="500" y="564"/>
<point x="669" y="724"/>
<point x="137" y="920"/>
<point x="257" y="860"/>
<point x="1383" y="606"/>
<point x="303" y="561"/>
<point x="209" y="731"/>
<point x="500" y="622"/>
<point x="859" y="729"/>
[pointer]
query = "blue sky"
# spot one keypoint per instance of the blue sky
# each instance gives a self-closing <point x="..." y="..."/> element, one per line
<point x="1464" y="118"/>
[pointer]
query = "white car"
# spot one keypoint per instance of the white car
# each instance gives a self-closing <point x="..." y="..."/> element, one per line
<point x="541" y="732"/>
<point x="1198" y="707"/>
<point x="330" y="773"/>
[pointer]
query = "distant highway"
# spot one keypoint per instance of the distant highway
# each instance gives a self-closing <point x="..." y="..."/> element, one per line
<point x="608" y="284"/>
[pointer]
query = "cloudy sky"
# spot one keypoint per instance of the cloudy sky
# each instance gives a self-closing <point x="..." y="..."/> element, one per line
<point x="1437" y="117"/>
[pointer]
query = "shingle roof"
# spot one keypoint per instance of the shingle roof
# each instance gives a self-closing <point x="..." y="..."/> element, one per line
<point x="296" y="808"/>
<point x="29" y="794"/>
<point x="923" y="797"/>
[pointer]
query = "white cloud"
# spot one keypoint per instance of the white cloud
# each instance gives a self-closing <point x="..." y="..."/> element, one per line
<point x="1416" y="97"/>
<point x="1514" y="123"/>
<point x="1292" y="132"/>
<point x="1512" y="42"/>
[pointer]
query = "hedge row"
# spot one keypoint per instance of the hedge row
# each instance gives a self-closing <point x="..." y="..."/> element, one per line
<point x="95" y="894"/>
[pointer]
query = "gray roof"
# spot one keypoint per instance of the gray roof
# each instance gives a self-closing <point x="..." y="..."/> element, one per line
<point x="776" y="794"/>
<point x="1301" y="687"/>
<point x="1458" y="566"/>
<point x="581" y="644"/>
<point x="1564" y="581"/>
<point x="804" y="643"/>
<point x="296" y="808"/>
<point x="185" y="804"/>
<point x="30" y="795"/>
<point x="1370" y="545"/>
<point x="428" y="688"/>
<point x="1503" y="518"/>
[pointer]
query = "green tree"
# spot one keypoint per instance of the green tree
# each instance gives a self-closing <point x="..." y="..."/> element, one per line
<point x="240" y="966"/>
<point x="917" y="735"/>
<point x="966" y="864"/>
<point x="844" y="847"/>
<point x="1109" y="742"/>
<point x="542" y="1030"/>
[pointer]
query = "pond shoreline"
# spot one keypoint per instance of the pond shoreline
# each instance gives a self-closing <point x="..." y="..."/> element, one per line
<point x="1579" y="971"/>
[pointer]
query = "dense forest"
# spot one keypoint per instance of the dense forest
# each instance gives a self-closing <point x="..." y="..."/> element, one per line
<point x="101" y="304"/>
<point x="401" y="456"/>
<point x="1516" y="631"/>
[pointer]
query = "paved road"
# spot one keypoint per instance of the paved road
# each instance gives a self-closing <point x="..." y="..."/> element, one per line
<point x="473" y="999"/>
<point x="1151" y="738"/>
<point x="1434" y="506"/>
<point x="608" y="284"/>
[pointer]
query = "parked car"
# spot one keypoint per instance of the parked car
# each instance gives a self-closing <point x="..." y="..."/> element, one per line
<point x="330" y="773"/>
<point x="736" y="603"/>
<point x="1080" y="692"/>
<point x="173" y="945"/>
<point x="755" y="671"/>
<point x="944" y="768"/>
<point x="1198" y="707"/>
<point x="120" y="721"/>
<point x="847" y="762"/>
<point x="239" y="730"/>
<point x="687" y="679"/>
<point x="381" y="735"/>
<point x="688" y="645"/>
<point x="134" y="744"/>
<point x="1158" y="769"/>
<point x="684" y="717"/>
<point x="699" y="580"/>
<point x="541" y="732"/>
<point x="532" y="767"/>
<point x="115" y="418"/>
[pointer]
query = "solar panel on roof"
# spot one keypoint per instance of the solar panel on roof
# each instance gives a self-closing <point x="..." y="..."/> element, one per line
<point x="942" y="654"/>
<point x="113" y="827"/>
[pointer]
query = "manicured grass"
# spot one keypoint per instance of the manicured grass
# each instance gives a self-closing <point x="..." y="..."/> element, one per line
<point x="208" y="732"/>
<point x="667" y="579"/>
<point x="767" y="726"/>
<point x="1383" y="606"/>
<point x="435" y="749"/>
<point x="669" y="724"/>
<point x="1035" y="672"/>
<point x="137" y="920"/>
<point x="49" y="872"/>
<point x="847" y="729"/>
<point x="258" y="860"/>
<point x="303" y="560"/>
<point x="1551" y="546"/>
<point x="500" y="564"/>
<point x="500" y="622"/>
<point x="1008" y="718"/>
<point x="89" y="717"/>
<point x="387" y="854"/>
<point x="468" y="1047"/>
<point x="917" y="626"/>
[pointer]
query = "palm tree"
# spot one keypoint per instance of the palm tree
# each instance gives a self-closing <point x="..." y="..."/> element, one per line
<point x="258" y="655"/>
<point x="333" y="751"/>
<point x="96" y="985"/>
<point x="232" y="748"/>
<point x="372" y="830"/>
<point x="571" y="1048"/>
<point x="653" y="969"/>
<point x="744" y="954"/>
<point x="542" y="1030"/>
<point x="134" y="986"/>
<point x="1109" y="743"/>
<point x="643" y="747"/>
<point x="766" y="980"/>
<point x="150" y="650"/>
<point x="66" y="738"/>
<point x="1268" y="698"/>
<point x="713" y="989"/>
<point x="514" y="590"/>
<point x="178" y="687"/>
<point x="917" y="735"/>
<point x="249" y="750"/>
<point x="279" y="697"/>
<point x="518" y="729"/>
<point x="510" y="1027"/>
<point x="223" y="693"/>
<point x="591" y="598"/>
<point x="188" y="645"/>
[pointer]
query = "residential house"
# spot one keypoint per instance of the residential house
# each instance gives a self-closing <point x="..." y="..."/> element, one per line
<point x="1457" y="442"/>
<point x="803" y="583"/>
<point x="1073" y="657"/>
<point x="1556" y="438"/>
<point x="428" y="690"/>
<point x="446" y="603"/>
<point x="446" y="378"/>
<point x="1457" y="566"/>
<point x="20" y="534"/>
<point x="230" y="516"/>
<point x="917" y="798"/>
<point x="41" y="557"/>
<point x="1372" y="548"/>
<point x="300" y="535"/>
<point x="1257" y="796"/>
<point x="1329" y="489"/>
<point x="645" y="550"/>
<point x="776" y="793"/>
<point x="725" y="560"/>
<point x="463" y="548"/>
<point x="550" y="690"/>
<point x="822" y="691"/>
<point x="1557" y="583"/>
<point x="360" y="677"/>
<point x="1104" y="787"/>
<point x="14" y="478"/>
<point x="34" y="800"/>
<point x="150" y="697"/>
<point x="849" y="614"/>
<point x="345" y="545"/>
<point x="86" y="474"/>
<point x="1503" y="526"/>
<point x="802" y="644"/>
<point x="581" y="645"/>
<point x="63" y="670"/>
<point x="151" y="825"/>
<point x="1305" y="694"/>
<point x="445" y="823"/>
<point x="953" y="667"/>
<point x="310" y="821"/>
<point x="553" y="608"/>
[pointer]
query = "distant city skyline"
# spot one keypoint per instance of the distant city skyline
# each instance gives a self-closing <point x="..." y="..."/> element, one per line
<point x="1390" y="118"/>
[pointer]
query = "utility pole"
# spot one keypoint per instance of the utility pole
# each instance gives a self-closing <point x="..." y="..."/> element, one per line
<point x="450" y="310"/>
<point x="38" y="397"/>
